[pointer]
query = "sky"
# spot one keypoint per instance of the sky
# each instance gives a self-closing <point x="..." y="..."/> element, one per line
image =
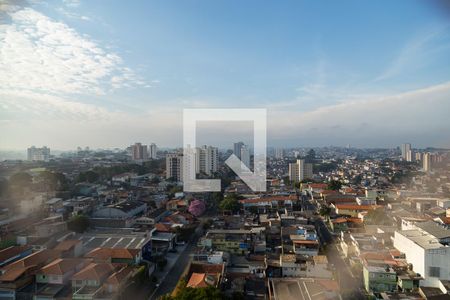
<point x="108" y="74"/>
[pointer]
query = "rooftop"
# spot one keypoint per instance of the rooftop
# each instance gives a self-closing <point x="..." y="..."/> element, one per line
<point x="303" y="289"/>
<point x="434" y="229"/>
<point x="422" y="239"/>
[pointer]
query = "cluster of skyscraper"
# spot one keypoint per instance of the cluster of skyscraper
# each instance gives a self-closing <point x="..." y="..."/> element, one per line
<point x="141" y="152"/>
<point x="205" y="161"/>
<point x="427" y="158"/>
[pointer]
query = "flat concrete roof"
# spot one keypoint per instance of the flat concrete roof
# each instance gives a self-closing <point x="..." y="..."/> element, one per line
<point x="423" y="239"/>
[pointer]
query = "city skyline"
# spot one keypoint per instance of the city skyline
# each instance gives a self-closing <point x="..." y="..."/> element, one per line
<point x="83" y="76"/>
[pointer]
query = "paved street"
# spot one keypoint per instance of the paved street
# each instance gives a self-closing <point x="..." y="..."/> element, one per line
<point x="169" y="278"/>
<point x="347" y="282"/>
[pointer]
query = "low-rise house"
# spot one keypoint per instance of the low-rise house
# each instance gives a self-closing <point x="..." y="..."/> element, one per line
<point x="13" y="253"/>
<point x="115" y="255"/>
<point x="70" y="248"/>
<point x="355" y="210"/>
<point x="60" y="270"/>
<point x="19" y="274"/>
<point x="87" y="283"/>
<point x="235" y="241"/>
<point x="379" y="279"/>
<point x="293" y="265"/>
<point x="115" y="284"/>
<point x="204" y="275"/>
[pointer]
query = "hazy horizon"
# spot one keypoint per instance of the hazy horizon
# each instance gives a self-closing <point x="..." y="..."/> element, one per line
<point x="368" y="74"/>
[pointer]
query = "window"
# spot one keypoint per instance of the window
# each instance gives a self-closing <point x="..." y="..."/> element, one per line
<point x="434" y="271"/>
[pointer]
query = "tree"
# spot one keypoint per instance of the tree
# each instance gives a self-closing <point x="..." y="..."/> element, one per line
<point x="325" y="211"/>
<point x="189" y="293"/>
<point x="334" y="185"/>
<point x="21" y="179"/>
<point x="79" y="223"/>
<point x="230" y="203"/>
<point x="88" y="176"/>
<point x="52" y="181"/>
<point x="377" y="217"/>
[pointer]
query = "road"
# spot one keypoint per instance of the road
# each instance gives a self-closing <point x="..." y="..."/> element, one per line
<point x="168" y="283"/>
<point x="347" y="282"/>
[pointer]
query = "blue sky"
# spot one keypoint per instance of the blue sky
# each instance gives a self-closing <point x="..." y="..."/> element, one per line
<point x="329" y="72"/>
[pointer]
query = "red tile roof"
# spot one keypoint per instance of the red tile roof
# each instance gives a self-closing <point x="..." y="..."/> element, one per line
<point x="12" y="251"/>
<point x="269" y="199"/>
<point x="357" y="207"/>
<point x="318" y="185"/>
<point x="67" y="245"/>
<point x="95" y="271"/>
<point x="107" y="253"/>
<point x="61" y="266"/>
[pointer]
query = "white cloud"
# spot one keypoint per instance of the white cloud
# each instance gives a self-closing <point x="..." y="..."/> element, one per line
<point x="41" y="55"/>
<point x="419" y="115"/>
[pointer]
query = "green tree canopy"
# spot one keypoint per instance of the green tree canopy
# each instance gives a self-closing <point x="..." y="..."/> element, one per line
<point x="88" y="176"/>
<point x="52" y="180"/>
<point x="78" y="223"/>
<point x="230" y="202"/>
<point x="334" y="185"/>
<point x="377" y="217"/>
<point x="325" y="210"/>
<point x="188" y="293"/>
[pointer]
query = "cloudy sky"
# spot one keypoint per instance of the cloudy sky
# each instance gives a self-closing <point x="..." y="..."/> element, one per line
<point x="107" y="74"/>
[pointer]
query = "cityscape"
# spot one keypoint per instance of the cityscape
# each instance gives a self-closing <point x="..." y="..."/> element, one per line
<point x="224" y="150"/>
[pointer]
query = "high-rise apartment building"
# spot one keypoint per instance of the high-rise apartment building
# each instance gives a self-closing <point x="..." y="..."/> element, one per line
<point x="174" y="166"/>
<point x="405" y="149"/>
<point x="139" y="152"/>
<point x="418" y="156"/>
<point x="300" y="170"/>
<point x="208" y="157"/>
<point x="152" y="149"/>
<point x="237" y="149"/>
<point x="279" y="153"/>
<point x="410" y="155"/>
<point x="245" y="156"/>
<point x="426" y="162"/>
<point x="38" y="154"/>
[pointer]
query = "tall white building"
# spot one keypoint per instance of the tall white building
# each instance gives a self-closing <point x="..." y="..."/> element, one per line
<point x="279" y="153"/>
<point x="426" y="162"/>
<point x="300" y="170"/>
<point x="139" y="152"/>
<point x="208" y="157"/>
<point x="405" y="149"/>
<point x="38" y="154"/>
<point x="152" y="149"/>
<point x="418" y="156"/>
<point x="410" y="155"/>
<point x="174" y="166"/>
<point x="201" y="160"/>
